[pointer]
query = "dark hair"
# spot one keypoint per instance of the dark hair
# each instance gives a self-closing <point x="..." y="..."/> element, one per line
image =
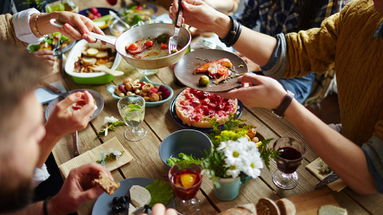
<point x="20" y="72"/>
<point x="308" y="11"/>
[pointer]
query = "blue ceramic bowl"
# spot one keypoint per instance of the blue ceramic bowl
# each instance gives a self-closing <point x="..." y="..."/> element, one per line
<point x="188" y="141"/>
<point x="111" y="88"/>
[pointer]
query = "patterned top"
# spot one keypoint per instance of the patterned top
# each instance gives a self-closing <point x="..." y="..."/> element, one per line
<point x="283" y="17"/>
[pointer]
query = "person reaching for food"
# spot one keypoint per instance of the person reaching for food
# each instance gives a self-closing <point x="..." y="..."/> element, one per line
<point x="355" y="154"/>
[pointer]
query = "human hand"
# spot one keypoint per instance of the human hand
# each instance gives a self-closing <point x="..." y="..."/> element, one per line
<point x="75" y="26"/>
<point x="77" y="189"/>
<point x="197" y="14"/>
<point x="64" y="120"/>
<point x="159" y="209"/>
<point x="251" y="65"/>
<point x="46" y="55"/>
<point x="262" y="91"/>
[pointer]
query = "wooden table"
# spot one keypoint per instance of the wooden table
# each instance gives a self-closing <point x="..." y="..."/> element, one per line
<point x="159" y="124"/>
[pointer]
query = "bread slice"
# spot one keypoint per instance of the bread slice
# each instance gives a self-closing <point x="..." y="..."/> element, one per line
<point x="139" y="196"/>
<point x="286" y="207"/>
<point x="107" y="184"/>
<point x="248" y="209"/>
<point x="331" y="210"/>
<point x="267" y="206"/>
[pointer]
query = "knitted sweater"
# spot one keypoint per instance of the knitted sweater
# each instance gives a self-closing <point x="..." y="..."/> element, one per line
<point x="345" y="41"/>
<point x="7" y="31"/>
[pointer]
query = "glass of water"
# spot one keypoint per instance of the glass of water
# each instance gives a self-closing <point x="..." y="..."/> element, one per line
<point x="132" y="111"/>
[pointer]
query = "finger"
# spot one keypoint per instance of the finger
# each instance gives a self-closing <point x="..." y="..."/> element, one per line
<point x="251" y="78"/>
<point x="90" y="194"/>
<point x="158" y="209"/>
<point x="72" y="31"/>
<point x="236" y="93"/>
<point x="171" y="211"/>
<point x="43" y="52"/>
<point x="80" y="25"/>
<point x="70" y="100"/>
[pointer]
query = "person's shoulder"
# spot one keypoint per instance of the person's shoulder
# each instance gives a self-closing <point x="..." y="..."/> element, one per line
<point x="359" y="7"/>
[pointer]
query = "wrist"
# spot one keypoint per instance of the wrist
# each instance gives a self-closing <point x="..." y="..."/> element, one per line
<point x="43" y="23"/>
<point x="285" y="99"/>
<point x="53" y="207"/>
<point x="222" y="25"/>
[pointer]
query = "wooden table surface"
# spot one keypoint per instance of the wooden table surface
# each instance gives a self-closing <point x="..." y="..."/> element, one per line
<point x="159" y="125"/>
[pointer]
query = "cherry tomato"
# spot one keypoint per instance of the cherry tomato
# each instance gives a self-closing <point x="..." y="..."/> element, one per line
<point x="132" y="47"/>
<point x="149" y="43"/>
<point x="93" y="10"/>
<point x="164" y="46"/>
<point x="139" y="7"/>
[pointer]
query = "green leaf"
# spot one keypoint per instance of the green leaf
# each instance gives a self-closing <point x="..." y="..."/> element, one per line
<point x="134" y="107"/>
<point x="34" y="47"/>
<point x="161" y="192"/>
<point x="183" y="160"/>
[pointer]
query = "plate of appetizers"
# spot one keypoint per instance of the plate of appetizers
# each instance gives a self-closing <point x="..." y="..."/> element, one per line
<point x="210" y="70"/>
<point x="195" y="109"/>
<point x="134" y="195"/>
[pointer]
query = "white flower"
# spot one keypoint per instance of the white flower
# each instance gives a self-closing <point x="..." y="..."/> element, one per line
<point x="241" y="155"/>
<point x="110" y="119"/>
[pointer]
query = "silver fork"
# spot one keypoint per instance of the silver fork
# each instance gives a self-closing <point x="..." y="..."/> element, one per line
<point x="173" y="40"/>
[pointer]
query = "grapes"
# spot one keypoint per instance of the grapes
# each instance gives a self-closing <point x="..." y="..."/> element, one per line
<point x="120" y="204"/>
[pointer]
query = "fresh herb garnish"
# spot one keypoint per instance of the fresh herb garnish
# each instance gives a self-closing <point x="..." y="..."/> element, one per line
<point x="109" y="158"/>
<point x="183" y="160"/>
<point x="161" y="192"/>
<point x="134" y="107"/>
<point x="110" y="127"/>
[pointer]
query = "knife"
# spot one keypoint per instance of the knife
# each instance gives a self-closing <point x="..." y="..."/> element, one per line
<point x="328" y="179"/>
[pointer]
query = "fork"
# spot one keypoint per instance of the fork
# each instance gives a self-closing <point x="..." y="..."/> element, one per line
<point x="173" y="40"/>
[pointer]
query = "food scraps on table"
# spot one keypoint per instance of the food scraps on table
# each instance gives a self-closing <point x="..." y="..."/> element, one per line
<point x="91" y="57"/>
<point x="150" y="48"/>
<point x="110" y="123"/>
<point x="150" y="92"/>
<point x="218" y="71"/>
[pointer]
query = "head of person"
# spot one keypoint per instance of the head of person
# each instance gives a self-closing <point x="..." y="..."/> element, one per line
<point x="21" y="126"/>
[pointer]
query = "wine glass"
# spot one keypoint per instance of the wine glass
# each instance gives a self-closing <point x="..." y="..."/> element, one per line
<point x="185" y="183"/>
<point x="290" y="155"/>
<point x="132" y="111"/>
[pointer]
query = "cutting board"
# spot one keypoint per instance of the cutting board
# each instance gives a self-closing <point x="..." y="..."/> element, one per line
<point x="309" y="203"/>
<point x="93" y="155"/>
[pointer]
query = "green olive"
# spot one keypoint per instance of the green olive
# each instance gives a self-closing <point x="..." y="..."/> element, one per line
<point x="204" y="81"/>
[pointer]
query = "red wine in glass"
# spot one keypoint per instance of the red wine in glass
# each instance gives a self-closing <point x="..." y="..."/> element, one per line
<point x="290" y="155"/>
<point x="288" y="159"/>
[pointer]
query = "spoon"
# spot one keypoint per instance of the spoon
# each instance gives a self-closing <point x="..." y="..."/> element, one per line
<point x="103" y="68"/>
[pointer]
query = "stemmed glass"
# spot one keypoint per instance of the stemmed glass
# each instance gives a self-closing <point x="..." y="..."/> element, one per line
<point x="290" y="155"/>
<point x="186" y="183"/>
<point x="132" y="111"/>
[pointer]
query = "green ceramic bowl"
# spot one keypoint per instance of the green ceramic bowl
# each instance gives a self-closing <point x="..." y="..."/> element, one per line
<point x="88" y="78"/>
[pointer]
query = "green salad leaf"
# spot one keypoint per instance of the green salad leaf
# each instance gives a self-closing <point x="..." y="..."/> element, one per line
<point x="184" y="160"/>
<point x="161" y="192"/>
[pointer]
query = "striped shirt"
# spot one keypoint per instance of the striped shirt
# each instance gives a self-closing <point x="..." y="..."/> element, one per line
<point x="282" y="17"/>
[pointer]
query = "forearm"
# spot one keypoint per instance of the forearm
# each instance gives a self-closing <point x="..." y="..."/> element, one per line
<point x="40" y="23"/>
<point x="223" y="6"/>
<point x="47" y="144"/>
<point x="256" y="46"/>
<point x="343" y="156"/>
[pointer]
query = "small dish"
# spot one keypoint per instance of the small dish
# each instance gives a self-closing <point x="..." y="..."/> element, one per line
<point x="188" y="141"/>
<point x="88" y="78"/>
<point x="102" y="22"/>
<point x="111" y="89"/>
<point x="99" y="100"/>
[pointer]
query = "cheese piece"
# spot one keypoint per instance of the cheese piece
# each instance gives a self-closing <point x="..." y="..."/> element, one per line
<point x="139" y="196"/>
<point x="132" y="209"/>
<point x="331" y="210"/>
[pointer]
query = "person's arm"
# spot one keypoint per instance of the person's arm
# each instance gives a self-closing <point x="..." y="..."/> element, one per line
<point x="343" y="156"/>
<point x="224" y="6"/>
<point x="254" y="45"/>
<point x="7" y="32"/>
<point x="63" y="121"/>
<point x="77" y="189"/>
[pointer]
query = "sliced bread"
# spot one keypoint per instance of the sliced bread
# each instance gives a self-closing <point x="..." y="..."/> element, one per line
<point x="106" y="183"/>
<point x="267" y="206"/>
<point x="286" y="207"/>
<point x="248" y="209"/>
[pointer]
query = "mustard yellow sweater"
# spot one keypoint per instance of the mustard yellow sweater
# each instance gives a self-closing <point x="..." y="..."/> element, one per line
<point x="345" y="40"/>
<point x="7" y="31"/>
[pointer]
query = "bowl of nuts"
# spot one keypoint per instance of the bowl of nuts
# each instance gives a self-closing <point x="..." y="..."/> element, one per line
<point x="154" y="93"/>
